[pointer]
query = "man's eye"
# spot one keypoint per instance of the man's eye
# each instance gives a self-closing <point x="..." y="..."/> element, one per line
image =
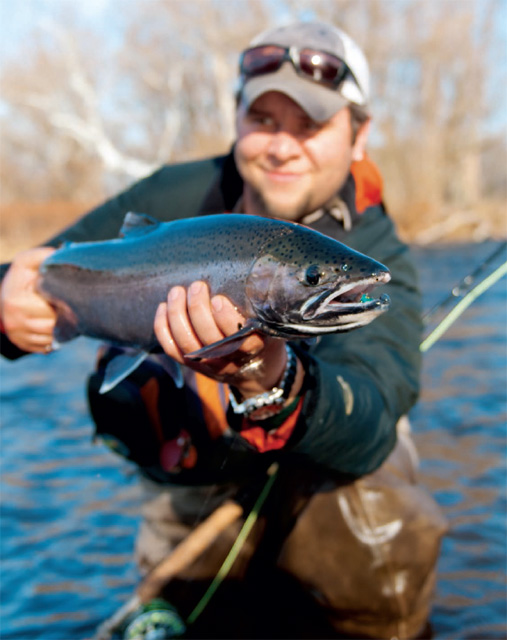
<point x="264" y="121"/>
<point x="311" y="126"/>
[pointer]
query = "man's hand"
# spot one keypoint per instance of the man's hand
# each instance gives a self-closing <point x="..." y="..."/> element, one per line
<point x="190" y="320"/>
<point x="28" y="319"/>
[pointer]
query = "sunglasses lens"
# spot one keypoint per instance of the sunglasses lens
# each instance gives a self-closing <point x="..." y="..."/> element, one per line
<point x="260" y="60"/>
<point x="322" y="67"/>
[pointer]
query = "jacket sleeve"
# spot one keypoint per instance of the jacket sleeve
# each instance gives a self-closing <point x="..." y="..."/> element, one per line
<point x="362" y="382"/>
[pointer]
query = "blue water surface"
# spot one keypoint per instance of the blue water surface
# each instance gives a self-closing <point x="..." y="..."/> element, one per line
<point x="460" y="428"/>
<point x="70" y="509"/>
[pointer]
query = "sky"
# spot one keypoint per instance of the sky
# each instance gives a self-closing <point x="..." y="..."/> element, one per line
<point x="20" y="18"/>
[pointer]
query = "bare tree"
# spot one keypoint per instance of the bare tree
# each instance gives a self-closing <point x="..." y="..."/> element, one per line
<point x="431" y="72"/>
<point x="82" y="116"/>
<point x="169" y="97"/>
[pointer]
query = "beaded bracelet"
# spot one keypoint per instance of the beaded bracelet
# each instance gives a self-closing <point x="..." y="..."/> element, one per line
<point x="276" y="396"/>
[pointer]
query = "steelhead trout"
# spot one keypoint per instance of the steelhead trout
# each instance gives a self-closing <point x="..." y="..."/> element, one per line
<point x="287" y="280"/>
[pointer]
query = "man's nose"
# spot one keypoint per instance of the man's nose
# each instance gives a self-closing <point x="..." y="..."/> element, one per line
<point x="283" y="146"/>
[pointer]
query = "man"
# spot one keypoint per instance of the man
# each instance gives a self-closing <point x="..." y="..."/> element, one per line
<point x="346" y="524"/>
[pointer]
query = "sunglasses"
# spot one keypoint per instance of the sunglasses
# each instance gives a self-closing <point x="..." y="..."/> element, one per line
<point x="319" y="66"/>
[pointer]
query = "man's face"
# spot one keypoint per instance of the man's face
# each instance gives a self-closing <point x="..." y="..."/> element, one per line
<point x="290" y="164"/>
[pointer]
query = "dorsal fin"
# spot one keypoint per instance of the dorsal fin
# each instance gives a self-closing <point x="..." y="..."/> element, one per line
<point x="137" y="223"/>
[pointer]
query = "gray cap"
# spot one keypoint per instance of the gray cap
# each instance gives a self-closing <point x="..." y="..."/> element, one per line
<point x="319" y="102"/>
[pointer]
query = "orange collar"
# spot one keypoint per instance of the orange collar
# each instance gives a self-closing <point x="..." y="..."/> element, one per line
<point x="369" y="183"/>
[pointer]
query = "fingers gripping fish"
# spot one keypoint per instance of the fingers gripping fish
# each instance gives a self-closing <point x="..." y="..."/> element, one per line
<point x="288" y="281"/>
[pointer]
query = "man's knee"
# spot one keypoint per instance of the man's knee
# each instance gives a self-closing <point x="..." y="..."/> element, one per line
<point x="170" y="514"/>
<point x="368" y="551"/>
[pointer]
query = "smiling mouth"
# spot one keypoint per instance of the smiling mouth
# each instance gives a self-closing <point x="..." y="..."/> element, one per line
<point x="283" y="177"/>
<point x="281" y="174"/>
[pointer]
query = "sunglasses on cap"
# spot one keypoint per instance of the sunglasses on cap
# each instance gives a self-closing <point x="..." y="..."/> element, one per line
<point x="319" y="66"/>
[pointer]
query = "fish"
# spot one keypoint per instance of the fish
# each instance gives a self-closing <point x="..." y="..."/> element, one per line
<point x="287" y="280"/>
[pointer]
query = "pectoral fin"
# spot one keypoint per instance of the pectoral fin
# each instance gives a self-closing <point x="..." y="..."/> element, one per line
<point x="120" y="367"/>
<point x="170" y="366"/>
<point x="226" y="346"/>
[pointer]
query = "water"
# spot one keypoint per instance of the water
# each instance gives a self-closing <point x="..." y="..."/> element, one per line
<point x="69" y="509"/>
<point x="460" y="431"/>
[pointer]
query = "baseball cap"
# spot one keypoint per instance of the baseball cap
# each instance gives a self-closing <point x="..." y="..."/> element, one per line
<point x="320" y="102"/>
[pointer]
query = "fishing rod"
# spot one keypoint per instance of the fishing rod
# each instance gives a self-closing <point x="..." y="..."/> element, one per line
<point x="185" y="553"/>
<point x="209" y="529"/>
<point x="437" y="333"/>
<point x="460" y="289"/>
<point x="442" y="327"/>
<point x="463" y="304"/>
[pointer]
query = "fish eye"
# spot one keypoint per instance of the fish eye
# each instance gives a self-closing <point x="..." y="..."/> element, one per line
<point x="312" y="275"/>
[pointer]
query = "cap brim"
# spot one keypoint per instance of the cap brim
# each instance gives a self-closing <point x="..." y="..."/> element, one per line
<point x="319" y="102"/>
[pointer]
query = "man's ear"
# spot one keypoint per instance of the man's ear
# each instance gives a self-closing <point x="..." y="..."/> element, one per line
<point x="359" y="146"/>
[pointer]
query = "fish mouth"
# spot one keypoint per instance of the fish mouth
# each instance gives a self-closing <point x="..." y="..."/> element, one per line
<point x="350" y="298"/>
<point x="347" y="307"/>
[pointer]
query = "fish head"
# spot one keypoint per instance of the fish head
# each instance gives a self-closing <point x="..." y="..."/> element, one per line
<point x="307" y="284"/>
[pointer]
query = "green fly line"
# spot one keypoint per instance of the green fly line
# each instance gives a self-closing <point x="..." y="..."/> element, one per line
<point x="463" y="304"/>
<point x="252" y="517"/>
<point x="236" y="547"/>
<point x="428" y="342"/>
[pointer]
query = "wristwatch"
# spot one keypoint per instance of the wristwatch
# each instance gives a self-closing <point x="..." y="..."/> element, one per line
<point x="275" y="397"/>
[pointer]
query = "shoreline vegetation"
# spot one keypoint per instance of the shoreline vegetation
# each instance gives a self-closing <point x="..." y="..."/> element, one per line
<point x="26" y="224"/>
<point x="85" y="114"/>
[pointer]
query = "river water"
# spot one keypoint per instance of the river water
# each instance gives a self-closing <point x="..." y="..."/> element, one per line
<point x="69" y="509"/>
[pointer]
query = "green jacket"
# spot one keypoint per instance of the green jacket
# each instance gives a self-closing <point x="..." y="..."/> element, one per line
<point x="358" y="383"/>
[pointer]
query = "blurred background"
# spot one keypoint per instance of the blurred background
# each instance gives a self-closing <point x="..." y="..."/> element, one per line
<point x="96" y="95"/>
<point x="93" y="96"/>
